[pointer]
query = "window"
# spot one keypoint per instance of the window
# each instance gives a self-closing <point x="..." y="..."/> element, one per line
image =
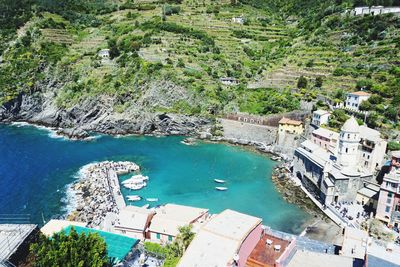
<point x="347" y="150"/>
<point x="390" y="194"/>
<point x="170" y="238"/>
<point x="388" y="201"/>
<point x="158" y="236"/>
<point x="348" y="136"/>
<point x="387" y="209"/>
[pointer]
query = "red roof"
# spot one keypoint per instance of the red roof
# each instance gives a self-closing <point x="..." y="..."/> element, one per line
<point x="289" y="121"/>
<point x="264" y="254"/>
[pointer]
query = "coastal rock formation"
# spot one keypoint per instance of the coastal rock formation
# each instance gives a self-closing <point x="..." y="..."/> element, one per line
<point x="99" y="114"/>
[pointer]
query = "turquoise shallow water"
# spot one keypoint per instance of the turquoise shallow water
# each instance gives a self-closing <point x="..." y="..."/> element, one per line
<point x="35" y="170"/>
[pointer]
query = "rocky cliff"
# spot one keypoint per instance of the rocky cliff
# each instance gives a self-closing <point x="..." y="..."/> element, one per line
<point x="98" y="113"/>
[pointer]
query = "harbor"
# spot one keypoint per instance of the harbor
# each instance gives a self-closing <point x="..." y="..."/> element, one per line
<point x="98" y="191"/>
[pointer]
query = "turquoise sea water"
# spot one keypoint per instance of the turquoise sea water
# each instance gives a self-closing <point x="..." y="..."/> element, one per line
<point x="35" y="170"/>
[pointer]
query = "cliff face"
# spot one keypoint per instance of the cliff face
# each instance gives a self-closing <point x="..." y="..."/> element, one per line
<point x="98" y="114"/>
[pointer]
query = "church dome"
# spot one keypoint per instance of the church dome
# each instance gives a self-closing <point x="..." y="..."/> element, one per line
<point x="351" y="125"/>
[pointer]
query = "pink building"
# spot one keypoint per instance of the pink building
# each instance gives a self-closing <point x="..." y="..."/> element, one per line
<point x="226" y="240"/>
<point x="388" y="209"/>
<point x="325" y="139"/>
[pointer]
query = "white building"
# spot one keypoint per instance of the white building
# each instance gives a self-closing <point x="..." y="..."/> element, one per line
<point x="353" y="100"/>
<point x="336" y="172"/>
<point x="165" y="224"/>
<point x="104" y="53"/>
<point x="374" y="10"/>
<point x="239" y="20"/>
<point x="320" y="117"/>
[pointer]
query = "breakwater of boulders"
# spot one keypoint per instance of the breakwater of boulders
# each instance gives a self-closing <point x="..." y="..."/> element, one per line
<point x="97" y="191"/>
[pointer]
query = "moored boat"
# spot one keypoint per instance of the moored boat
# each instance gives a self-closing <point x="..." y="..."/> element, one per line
<point x="219" y="188"/>
<point x="134" y="198"/>
<point x="150" y="199"/>
<point x="219" y="181"/>
<point x="135" y="186"/>
<point x="136" y="179"/>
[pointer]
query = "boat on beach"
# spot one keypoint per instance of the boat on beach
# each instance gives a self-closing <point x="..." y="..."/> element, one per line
<point x="136" y="179"/>
<point x="219" y="181"/>
<point x="219" y="188"/>
<point x="150" y="199"/>
<point x="134" y="198"/>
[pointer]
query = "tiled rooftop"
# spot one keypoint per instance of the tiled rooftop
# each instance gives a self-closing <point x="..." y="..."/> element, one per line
<point x="264" y="254"/>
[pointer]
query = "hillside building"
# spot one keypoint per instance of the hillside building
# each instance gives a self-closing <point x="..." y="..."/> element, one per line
<point x="336" y="172"/>
<point x="374" y="10"/>
<point x="290" y="126"/>
<point x="239" y="20"/>
<point x="320" y="117"/>
<point x="104" y="53"/>
<point x="354" y="100"/>
<point x="388" y="209"/>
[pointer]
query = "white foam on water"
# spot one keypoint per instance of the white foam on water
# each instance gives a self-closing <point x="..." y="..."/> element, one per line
<point x="70" y="199"/>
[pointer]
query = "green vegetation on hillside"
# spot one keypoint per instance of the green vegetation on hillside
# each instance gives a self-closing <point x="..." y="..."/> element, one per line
<point x="278" y="46"/>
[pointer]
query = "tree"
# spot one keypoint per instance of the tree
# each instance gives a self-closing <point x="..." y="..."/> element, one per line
<point x="318" y="82"/>
<point x="70" y="250"/>
<point x="302" y="82"/>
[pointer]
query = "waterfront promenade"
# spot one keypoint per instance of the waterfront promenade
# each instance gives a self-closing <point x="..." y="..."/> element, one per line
<point x="332" y="214"/>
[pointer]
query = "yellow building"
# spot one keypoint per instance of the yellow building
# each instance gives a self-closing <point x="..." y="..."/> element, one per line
<point x="290" y="126"/>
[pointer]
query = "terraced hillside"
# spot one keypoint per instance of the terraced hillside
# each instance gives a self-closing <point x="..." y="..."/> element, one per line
<point x="212" y="57"/>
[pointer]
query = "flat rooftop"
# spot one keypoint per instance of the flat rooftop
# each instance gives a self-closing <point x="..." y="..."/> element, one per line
<point x="170" y="217"/>
<point x="12" y="236"/>
<point x="219" y="240"/>
<point x="314" y="259"/>
<point x="265" y="253"/>
<point x="55" y="226"/>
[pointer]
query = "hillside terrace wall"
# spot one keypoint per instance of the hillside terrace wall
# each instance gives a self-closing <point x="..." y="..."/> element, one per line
<point x="270" y="120"/>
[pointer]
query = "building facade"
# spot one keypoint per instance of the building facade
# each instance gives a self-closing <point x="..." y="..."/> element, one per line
<point x="337" y="173"/>
<point x="388" y="209"/>
<point x="374" y="10"/>
<point x="354" y="100"/>
<point x="320" y="117"/>
<point x="325" y="139"/>
<point x="290" y="126"/>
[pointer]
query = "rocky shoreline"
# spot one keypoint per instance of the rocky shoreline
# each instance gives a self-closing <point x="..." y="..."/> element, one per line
<point x="97" y="193"/>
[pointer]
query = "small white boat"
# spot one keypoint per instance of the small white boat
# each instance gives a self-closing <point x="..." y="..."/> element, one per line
<point x="221" y="188"/>
<point x="136" y="186"/>
<point x="136" y="179"/>
<point x="150" y="199"/>
<point x="219" y="181"/>
<point x="134" y="198"/>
